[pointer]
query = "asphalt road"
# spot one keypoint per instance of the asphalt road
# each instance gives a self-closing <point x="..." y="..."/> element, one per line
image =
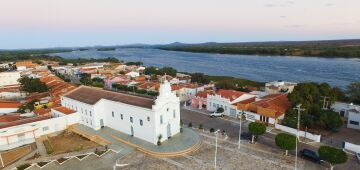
<point x="232" y="130"/>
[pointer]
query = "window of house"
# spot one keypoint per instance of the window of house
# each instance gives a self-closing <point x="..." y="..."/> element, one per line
<point x="148" y="119"/>
<point x="214" y="105"/>
<point x="90" y="113"/>
<point x="90" y="122"/>
<point x="121" y="116"/>
<point x="46" y="128"/>
<point x="161" y="119"/>
<point x="174" y="113"/>
<point x="225" y="108"/>
<point x="354" y="122"/>
<point x="85" y="112"/>
<point x="82" y="110"/>
<point x="167" y="109"/>
<point x="141" y="122"/>
<point x="112" y="114"/>
<point x="131" y="119"/>
<point x="87" y="121"/>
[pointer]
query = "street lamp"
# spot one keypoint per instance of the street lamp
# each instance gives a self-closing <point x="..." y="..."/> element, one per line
<point x="216" y="134"/>
<point x="298" y="108"/>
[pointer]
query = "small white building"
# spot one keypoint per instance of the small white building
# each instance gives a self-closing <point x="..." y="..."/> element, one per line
<point x="354" y="119"/>
<point x="133" y="74"/>
<point x="227" y="100"/>
<point x="344" y="108"/>
<point x="141" y="117"/>
<point x="349" y="111"/>
<point x="279" y="86"/>
<point x="9" y="78"/>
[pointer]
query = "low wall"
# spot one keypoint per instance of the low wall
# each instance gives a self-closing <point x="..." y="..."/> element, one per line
<point x="352" y="147"/>
<point x="293" y="131"/>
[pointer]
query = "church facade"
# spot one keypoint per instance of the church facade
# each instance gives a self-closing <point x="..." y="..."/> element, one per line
<point x="139" y="116"/>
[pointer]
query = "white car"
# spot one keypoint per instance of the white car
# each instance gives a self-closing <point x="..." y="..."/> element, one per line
<point x="216" y="114"/>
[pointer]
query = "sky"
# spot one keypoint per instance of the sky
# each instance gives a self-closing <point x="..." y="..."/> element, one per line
<point x="67" y="23"/>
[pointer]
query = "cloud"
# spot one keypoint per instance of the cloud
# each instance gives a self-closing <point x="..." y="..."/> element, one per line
<point x="329" y="4"/>
<point x="294" y="26"/>
<point x="270" y="5"/>
<point x="291" y="2"/>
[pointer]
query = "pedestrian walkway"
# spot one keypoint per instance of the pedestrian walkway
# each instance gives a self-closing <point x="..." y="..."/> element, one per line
<point x="40" y="147"/>
<point x="182" y="143"/>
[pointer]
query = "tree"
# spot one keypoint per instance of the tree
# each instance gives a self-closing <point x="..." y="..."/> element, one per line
<point x="220" y="110"/>
<point x="32" y="85"/>
<point x="200" y="78"/>
<point x="353" y="92"/>
<point x="330" y="119"/>
<point x="159" y="140"/>
<point x="285" y="141"/>
<point x="332" y="155"/>
<point x="151" y="70"/>
<point x="256" y="129"/>
<point x="168" y="70"/>
<point x="136" y="63"/>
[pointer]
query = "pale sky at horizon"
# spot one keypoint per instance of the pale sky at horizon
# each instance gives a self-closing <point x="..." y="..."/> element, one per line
<point x="65" y="23"/>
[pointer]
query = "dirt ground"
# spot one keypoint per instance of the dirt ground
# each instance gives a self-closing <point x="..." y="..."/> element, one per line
<point x="70" y="142"/>
<point x="15" y="154"/>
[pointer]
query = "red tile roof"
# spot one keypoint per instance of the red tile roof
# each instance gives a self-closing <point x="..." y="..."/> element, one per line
<point x="230" y="94"/>
<point x="277" y="102"/>
<point x="203" y="94"/>
<point x="64" y="110"/>
<point x="22" y="120"/>
<point x="9" y="104"/>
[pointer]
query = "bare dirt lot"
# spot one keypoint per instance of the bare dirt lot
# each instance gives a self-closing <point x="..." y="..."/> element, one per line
<point x="69" y="142"/>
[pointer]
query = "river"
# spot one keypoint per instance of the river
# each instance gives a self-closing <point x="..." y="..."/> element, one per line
<point x="335" y="71"/>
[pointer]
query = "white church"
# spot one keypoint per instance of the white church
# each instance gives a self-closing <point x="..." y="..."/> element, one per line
<point x="142" y="117"/>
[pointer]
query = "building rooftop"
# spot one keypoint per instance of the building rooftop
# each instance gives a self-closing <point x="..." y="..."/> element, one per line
<point x="230" y="94"/>
<point x="9" y="104"/>
<point x="64" y="110"/>
<point x="92" y="95"/>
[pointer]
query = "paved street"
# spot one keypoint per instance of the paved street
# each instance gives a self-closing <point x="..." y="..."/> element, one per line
<point x="232" y="130"/>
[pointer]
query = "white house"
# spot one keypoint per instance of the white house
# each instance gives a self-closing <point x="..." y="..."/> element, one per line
<point x="344" y="108"/>
<point x="139" y="116"/>
<point x="280" y="86"/>
<point x="9" y="78"/>
<point x="354" y="119"/>
<point x="349" y="111"/>
<point x="17" y="130"/>
<point x="133" y="74"/>
<point x="227" y="100"/>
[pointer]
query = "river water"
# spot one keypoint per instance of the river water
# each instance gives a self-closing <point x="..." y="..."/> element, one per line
<point x="335" y="71"/>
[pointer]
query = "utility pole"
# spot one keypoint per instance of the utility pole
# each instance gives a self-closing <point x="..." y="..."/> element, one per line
<point x="298" y="108"/>
<point x="240" y="129"/>
<point x="324" y="100"/>
<point x="216" y="134"/>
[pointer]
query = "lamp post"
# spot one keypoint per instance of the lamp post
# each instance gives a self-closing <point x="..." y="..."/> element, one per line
<point x="298" y="108"/>
<point x="240" y="129"/>
<point x="216" y="134"/>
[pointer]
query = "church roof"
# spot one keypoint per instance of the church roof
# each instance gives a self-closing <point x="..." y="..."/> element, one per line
<point x="91" y="95"/>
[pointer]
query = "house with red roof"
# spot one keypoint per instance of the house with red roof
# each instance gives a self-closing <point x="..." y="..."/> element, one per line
<point x="268" y="109"/>
<point x="200" y="99"/>
<point x="227" y="99"/>
<point x="7" y="106"/>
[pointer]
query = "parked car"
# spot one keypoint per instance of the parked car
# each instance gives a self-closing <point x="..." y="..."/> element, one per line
<point x="310" y="155"/>
<point x="217" y="114"/>
<point x="247" y="135"/>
